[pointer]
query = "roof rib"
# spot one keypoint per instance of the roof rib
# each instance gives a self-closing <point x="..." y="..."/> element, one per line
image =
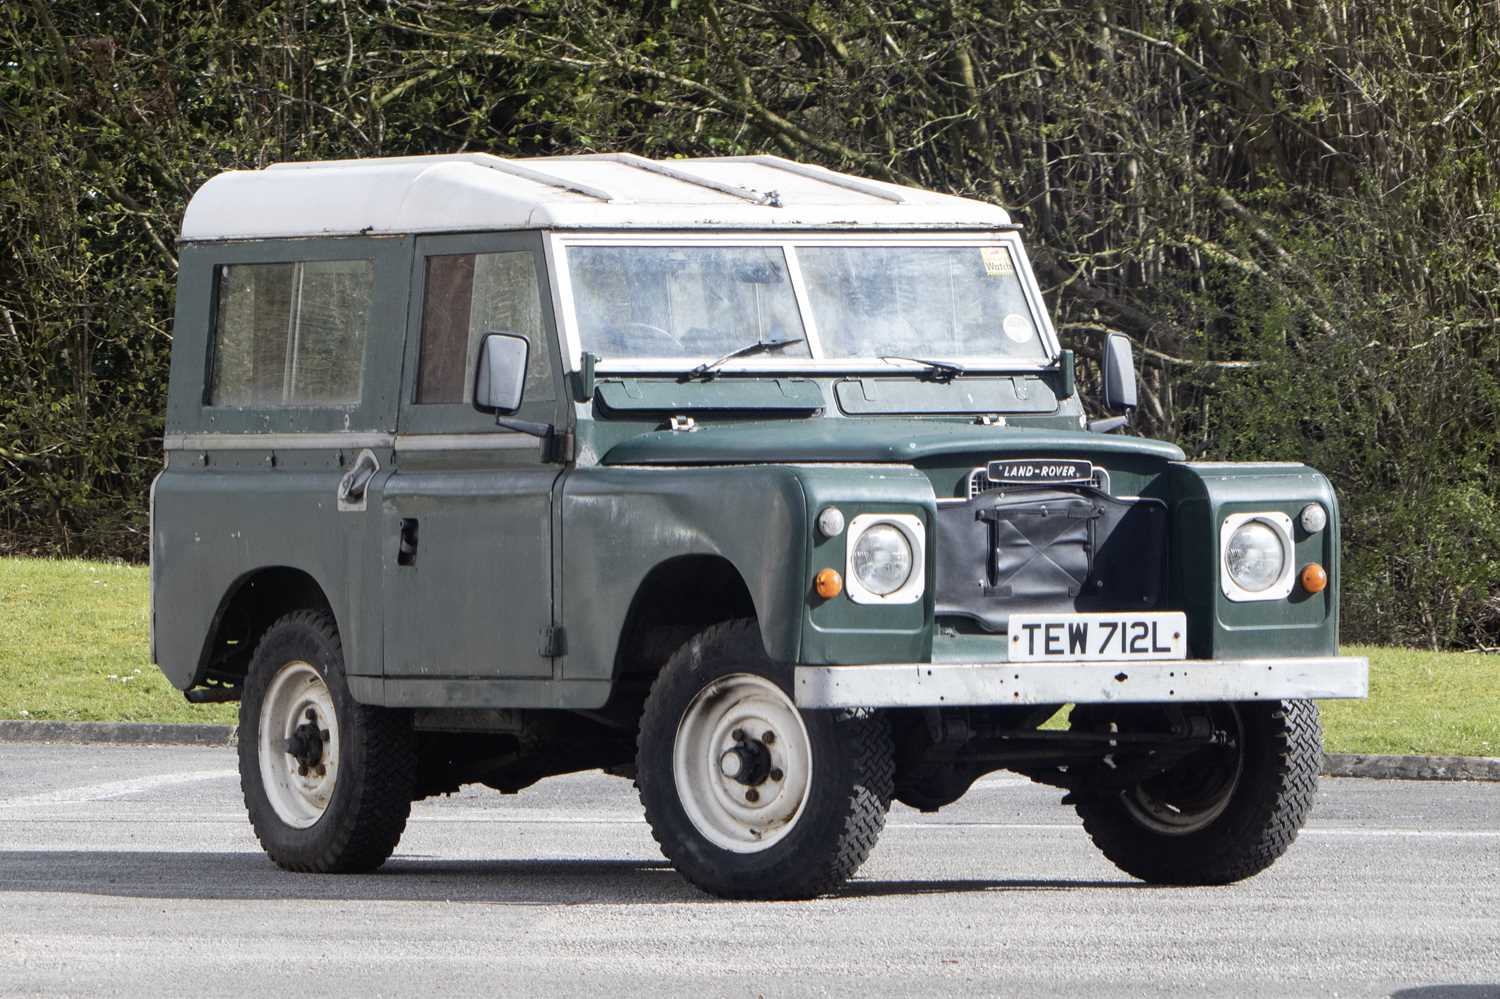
<point x="657" y="167"/>
<point x="826" y="176"/>
<point x="551" y="180"/>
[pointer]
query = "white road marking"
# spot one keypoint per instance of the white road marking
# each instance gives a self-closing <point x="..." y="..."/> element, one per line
<point x="1412" y="833"/>
<point x="117" y="788"/>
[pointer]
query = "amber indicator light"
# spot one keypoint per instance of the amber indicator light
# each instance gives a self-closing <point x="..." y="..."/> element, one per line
<point x="1314" y="578"/>
<point x="828" y="583"/>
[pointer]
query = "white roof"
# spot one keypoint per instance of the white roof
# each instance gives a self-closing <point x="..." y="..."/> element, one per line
<point x="477" y="192"/>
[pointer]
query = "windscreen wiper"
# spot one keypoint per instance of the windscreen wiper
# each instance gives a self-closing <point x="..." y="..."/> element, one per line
<point x="707" y="368"/>
<point x="943" y="371"/>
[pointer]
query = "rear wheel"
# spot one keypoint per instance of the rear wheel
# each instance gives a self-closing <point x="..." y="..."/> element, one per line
<point x="748" y="796"/>
<point x="328" y="782"/>
<point x="1221" y="814"/>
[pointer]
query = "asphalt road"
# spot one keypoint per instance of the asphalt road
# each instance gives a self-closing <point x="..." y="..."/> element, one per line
<point x="132" y="871"/>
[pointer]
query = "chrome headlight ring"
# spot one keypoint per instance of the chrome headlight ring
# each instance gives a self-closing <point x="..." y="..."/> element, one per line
<point x="885" y="559"/>
<point x="1257" y="558"/>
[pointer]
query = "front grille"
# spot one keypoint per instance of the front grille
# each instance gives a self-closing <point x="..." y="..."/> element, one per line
<point x="979" y="481"/>
<point x="1048" y="549"/>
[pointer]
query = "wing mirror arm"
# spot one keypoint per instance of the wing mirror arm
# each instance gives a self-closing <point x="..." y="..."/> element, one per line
<point x="1104" y="426"/>
<point x="500" y="383"/>
<point x="531" y="427"/>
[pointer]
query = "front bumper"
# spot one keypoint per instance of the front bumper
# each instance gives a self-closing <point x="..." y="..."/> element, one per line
<point x="941" y="685"/>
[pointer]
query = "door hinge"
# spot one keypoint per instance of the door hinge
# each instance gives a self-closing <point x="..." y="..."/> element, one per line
<point x="559" y="446"/>
<point x="554" y="641"/>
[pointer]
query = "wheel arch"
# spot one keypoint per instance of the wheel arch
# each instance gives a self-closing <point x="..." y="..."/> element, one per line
<point x="676" y="598"/>
<point x="250" y="605"/>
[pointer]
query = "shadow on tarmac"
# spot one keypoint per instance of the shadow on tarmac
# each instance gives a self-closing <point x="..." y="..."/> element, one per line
<point x="251" y="876"/>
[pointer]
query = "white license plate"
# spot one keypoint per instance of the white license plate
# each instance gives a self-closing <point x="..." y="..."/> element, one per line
<point x="1076" y="638"/>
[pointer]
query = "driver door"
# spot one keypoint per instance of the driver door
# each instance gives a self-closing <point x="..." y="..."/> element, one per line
<point x="468" y="513"/>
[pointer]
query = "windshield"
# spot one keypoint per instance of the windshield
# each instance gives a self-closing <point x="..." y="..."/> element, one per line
<point x="683" y="301"/>
<point x="857" y="301"/>
<point x="934" y="301"/>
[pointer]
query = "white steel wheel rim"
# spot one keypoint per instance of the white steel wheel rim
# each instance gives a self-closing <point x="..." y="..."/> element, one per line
<point x="722" y="808"/>
<point x="299" y="793"/>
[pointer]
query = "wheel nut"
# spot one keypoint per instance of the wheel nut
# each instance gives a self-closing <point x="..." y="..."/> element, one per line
<point x="738" y="735"/>
<point x="302" y="770"/>
<point x="752" y="795"/>
<point x="776" y="773"/>
<point x="312" y="715"/>
<point x="768" y="738"/>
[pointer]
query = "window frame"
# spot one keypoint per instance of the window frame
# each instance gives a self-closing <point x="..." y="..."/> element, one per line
<point x="558" y="243"/>
<point x="462" y="417"/>
<point x="293" y="346"/>
<point x="373" y="409"/>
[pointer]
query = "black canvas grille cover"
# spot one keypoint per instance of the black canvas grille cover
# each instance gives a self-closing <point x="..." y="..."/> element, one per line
<point x="1045" y="550"/>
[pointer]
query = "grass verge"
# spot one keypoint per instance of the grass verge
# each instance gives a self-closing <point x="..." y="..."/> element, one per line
<point x="74" y="647"/>
<point x="1431" y="703"/>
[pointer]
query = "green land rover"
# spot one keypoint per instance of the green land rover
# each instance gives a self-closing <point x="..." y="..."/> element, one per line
<point x="766" y="486"/>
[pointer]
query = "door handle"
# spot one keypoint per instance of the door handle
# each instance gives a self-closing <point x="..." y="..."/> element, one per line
<point x="355" y="481"/>
<point x="406" y="544"/>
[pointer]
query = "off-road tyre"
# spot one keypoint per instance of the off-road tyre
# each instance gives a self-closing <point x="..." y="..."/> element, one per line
<point x="372" y="796"/>
<point x="1282" y="747"/>
<point x="848" y="794"/>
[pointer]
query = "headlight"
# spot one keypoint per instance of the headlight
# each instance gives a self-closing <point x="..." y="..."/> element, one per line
<point x="885" y="559"/>
<point x="882" y="559"/>
<point x="1256" y="556"/>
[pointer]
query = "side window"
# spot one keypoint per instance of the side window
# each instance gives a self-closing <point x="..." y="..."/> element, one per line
<point x="290" y="334"/>
<point x="468" y="295"/>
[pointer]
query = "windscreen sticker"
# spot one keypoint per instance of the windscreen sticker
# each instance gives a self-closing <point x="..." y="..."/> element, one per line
<point x="1017" y="327"/>
<point x="997" y="262"/>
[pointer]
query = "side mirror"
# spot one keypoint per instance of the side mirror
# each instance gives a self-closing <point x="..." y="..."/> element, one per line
<point x="500" y="374"/>
<point x="1119" y="374"/>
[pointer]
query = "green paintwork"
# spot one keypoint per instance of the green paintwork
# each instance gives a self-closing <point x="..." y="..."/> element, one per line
<point x="875" y="440"/>
<point x="870" y="396"/>
<point x="622" y="523"/>
<point x="634" y="395"/>
<point x="512" y="546"/>
<point x="840" y="630"/>
<point x="1202" y="496"/>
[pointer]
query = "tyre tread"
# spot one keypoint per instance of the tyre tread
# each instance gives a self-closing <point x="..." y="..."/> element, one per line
<point x="1243" y="843"/>
<point x="859" y="814"/>
<point x="377" y="742"/>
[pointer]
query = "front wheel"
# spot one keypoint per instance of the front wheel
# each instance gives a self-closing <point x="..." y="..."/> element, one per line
<point x="1221" y="814"/>
<point x="328" y="782"/>
<point x="748" y="796"/>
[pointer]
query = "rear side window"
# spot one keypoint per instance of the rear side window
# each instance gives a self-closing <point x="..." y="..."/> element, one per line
<point x="468" y="295"/>
<point x="291" y="334"/>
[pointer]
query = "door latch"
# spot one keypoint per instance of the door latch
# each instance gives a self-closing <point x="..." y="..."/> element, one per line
<point x="355" y="481"/>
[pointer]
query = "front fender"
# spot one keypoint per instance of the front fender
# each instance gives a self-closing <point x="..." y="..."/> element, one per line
<point x="620" y="523"/>
<point x="1303" y="624"/>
